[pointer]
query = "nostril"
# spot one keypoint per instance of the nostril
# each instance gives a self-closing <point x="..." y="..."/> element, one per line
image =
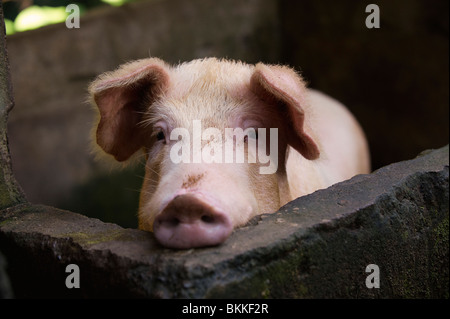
<point x="168" y="221"/>
<point x="188" y="222"/>
<point x="208" y="219"/>
<point x="174" y="221"/>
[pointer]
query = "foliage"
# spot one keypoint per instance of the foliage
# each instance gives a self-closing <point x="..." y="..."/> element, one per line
<point x="44" y="12"/>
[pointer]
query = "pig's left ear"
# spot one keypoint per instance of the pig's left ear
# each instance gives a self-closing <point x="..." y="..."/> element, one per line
<point x="285" y="89"/>
<point x="122" y="96"/>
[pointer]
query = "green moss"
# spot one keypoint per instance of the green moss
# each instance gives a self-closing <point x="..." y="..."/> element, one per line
<point x="408" y="287"/>
<point x="405" y="235"/>
<point x="86" y="239"/>
<point x="6" y="221"/>
<point x="5" y="196"/>
<point x="441" y="235"/>
<point x="439" y="259"/>
<point x="280" y="277"/>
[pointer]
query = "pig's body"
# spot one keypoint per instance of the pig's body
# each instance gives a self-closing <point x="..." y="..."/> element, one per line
<point x="344" y="151"/>
<point x="191" y="204"/>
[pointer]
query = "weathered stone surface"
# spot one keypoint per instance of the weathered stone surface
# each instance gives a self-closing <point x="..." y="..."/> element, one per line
<point x="317" y="246"/>
<point x="5" y="286"/>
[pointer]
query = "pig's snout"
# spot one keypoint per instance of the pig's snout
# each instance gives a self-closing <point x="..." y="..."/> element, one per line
<point x="189" y="222"/>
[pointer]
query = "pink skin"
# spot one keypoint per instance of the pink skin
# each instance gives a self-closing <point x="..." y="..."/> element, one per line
<point x="188" y="222"/>
<point x="190" y="205"/>
<point x="198" y="204"/>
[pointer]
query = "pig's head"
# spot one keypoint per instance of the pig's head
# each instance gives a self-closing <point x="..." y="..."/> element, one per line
<point x="193" y="196"/>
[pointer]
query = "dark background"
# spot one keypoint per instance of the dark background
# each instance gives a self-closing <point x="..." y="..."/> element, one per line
<point x="395" y="79"/>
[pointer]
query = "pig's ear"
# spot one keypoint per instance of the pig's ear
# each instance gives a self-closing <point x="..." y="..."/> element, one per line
<point x="122" y="96"/>
<point x="285" y="89"/>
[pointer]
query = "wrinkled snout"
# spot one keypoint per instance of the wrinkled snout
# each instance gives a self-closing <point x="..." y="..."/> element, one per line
<point x="188" y="222"/>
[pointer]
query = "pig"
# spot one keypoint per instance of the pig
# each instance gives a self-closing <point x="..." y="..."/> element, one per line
<point x="189" y="204"/>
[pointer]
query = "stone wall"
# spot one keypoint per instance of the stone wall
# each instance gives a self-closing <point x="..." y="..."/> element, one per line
<point x="317" y="246"/>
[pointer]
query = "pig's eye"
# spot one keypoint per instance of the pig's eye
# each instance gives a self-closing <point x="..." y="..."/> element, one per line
<point x="253" y="134"/>
<point x="160" y="136"/>
<point x="159" y="132"/>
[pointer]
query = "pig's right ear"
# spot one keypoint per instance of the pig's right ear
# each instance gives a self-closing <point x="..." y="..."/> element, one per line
<point x="284" y="89"/>
<point x="122" y="96"/>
